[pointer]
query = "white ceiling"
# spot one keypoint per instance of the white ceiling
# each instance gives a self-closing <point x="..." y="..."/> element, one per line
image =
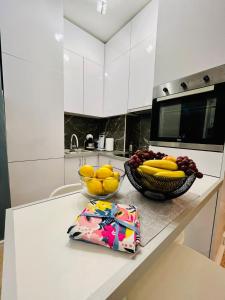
<point x="83" y="13"/>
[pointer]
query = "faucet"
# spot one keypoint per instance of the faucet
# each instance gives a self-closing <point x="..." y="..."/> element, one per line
<point x="76" y="144"/>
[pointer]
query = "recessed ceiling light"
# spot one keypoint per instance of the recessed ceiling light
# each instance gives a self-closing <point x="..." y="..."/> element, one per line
<point x="101" y="6"/>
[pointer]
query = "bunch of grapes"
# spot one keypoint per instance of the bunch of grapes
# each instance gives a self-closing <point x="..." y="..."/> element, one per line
<point x="188" y="166"/>
<point x="142" y="155"/>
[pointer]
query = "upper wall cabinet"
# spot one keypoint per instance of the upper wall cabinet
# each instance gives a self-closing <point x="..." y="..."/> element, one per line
<point x="190" y="38"/>
<point x="93" y="88"/>
<point x="73" y="82"/>
<point x="116" y="86"/>
<point x="33" y="30"/>
<point x="118" y="44"/>
<point x="145" y="23"/>
<point x="82" y="43"/>
<point x="142" y="61"/>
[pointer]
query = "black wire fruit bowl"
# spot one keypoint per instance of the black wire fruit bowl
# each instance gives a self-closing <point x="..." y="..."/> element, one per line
<point x="158" y="188"/>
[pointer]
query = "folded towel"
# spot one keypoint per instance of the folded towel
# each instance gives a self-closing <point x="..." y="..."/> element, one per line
<point x="115" y="226"/>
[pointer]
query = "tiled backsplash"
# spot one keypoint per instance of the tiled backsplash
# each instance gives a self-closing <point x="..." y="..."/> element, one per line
<point x="81" y="126"/>
<point x="137" y="129"/>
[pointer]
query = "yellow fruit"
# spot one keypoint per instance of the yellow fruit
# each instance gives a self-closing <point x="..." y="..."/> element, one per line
<point x="116" y="175"/>
<point x="171" y="158"/>
<point x="94" y="186"/>
<point x="149" y="170"/>
<point x="103" y="173"/>
<point x="107" y="166"/>
<point x="162" y="164"/>
<point x="110" y="184"/>
<point x="87" y="171"/>
<point x="177" y="174"/>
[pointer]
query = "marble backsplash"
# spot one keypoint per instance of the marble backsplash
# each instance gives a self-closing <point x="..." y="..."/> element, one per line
<point x="138" y="129"/>
<point x="115" y="127"/>
<point x="81" y="126"/>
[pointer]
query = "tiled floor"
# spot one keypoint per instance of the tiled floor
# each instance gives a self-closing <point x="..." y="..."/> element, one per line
<point x="1" y="263"/>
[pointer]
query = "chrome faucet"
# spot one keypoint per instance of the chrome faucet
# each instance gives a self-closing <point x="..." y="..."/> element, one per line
<point x="76" y="144"/>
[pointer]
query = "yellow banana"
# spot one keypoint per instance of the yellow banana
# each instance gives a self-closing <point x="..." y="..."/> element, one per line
<point x="149" y="170"/>
<point x="177" y="174"/>
<point x="162" y="164"/>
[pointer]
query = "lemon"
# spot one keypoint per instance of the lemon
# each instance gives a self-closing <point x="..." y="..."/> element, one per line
<point x="103" y="173"/>
<point x="116" y="175"/>
<point x="110" y="184"/>
<point x="108" y="166"/>
<point x="87" y="171"/>
<point x="94" y="187"/>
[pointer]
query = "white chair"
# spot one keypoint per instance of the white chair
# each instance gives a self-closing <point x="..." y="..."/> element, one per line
<point x="66" y="189"/>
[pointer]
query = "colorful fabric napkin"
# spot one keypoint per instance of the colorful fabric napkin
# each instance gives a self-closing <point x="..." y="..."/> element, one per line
<point x="115" y="226"/>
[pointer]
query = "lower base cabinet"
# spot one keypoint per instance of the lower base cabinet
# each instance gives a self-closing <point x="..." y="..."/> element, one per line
<point x="73" y="164"/>
<point x="198" y="234"/>
<point x="117" y="163"/>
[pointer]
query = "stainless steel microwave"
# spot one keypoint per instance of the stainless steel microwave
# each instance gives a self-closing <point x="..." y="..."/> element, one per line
<point x="190" y="112"/>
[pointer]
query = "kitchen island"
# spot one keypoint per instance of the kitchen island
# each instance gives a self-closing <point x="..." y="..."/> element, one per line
<point x="40" y="262"/>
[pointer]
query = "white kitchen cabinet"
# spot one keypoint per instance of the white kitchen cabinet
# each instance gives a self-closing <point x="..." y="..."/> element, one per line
<point x="33" y="30"/>
<point x="82" y="43"/>
<point x="90" y="160"/>
<point x="34" y="110"/>
<point x="144" y="24"/>
<point x="117" y="163"/>
<point x="190" y="38"/>
<point x="93" y="88"/>
<point x="142" y="62"/>
<point x="116" y="86"/>
<point x="198" y="234"/>
<point x="34" y="180"/>
<point x="72" y="166"/>
<point x="118" y="44"/>
<point x="73" y="83"/>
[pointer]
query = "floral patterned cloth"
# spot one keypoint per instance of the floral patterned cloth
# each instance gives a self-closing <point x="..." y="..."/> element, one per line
<point x="115" y="226"/>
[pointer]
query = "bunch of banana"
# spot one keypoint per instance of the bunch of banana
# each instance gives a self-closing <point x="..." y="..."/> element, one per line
<point x="161" y="168"/>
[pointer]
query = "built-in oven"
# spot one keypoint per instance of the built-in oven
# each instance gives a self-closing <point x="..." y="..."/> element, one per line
<point x="190" y="112"/>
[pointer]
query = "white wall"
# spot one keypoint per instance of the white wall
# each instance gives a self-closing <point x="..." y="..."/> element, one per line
<point x="33" y="85"/>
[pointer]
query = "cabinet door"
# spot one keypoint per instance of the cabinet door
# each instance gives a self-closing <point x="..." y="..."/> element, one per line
<point x="91" y="160"/>
<point x="72" y="166"/>
<point x="116" y="86"/>
<point x="93" y="89"/>
<point x="117" y="163"/>
<point x="142" y="61"/>
<point x="73" y="82"/>
<point x="118" y="44"/>
<point x="144" y="24"/>
<point x="192" y="40"/>
<point x="198" y="233"/>
<point x="34" y="180"/>
<point x="33" y="30"/>
<point x="83" y="43"/>
<point x="34" y="110"/>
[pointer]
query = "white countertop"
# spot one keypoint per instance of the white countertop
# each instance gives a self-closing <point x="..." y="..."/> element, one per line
<point x="42" y="263"/>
